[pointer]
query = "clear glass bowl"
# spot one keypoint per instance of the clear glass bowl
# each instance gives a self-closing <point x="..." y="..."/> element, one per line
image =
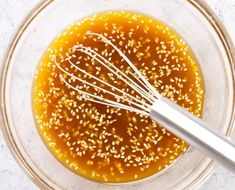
<point x="192" y="19"/>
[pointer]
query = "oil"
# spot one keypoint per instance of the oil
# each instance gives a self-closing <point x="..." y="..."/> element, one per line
<point x="102" y="143"/>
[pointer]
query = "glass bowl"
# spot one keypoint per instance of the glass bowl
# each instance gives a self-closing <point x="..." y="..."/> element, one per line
<point x="192" y="19"/>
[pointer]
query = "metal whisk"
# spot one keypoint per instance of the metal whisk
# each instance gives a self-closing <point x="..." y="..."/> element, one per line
<point x="147" y="102"/>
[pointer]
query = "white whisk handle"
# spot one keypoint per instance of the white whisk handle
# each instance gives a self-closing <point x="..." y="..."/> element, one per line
<point x="194" y="131"/>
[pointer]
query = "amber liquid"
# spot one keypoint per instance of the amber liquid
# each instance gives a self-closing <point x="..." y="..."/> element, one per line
<point x="103" y="143"/>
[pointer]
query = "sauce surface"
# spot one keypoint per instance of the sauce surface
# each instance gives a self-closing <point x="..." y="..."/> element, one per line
<point x="103" y="143"/>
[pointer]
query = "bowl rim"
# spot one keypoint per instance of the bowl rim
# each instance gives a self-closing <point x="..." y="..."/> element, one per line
<point x="200" y="5"/>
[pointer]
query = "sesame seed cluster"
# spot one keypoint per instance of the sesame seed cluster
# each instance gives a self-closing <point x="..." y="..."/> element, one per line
<point x="103" y="143"/>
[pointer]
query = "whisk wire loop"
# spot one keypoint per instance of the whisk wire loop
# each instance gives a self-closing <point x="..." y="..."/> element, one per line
<point x="145" y="94"/>
<point x="152" y="89"/>
<point x="96" y="87"/>
<point x="109" y="85"/>
<point x="103" y="101"/>
<point x="140" y="104"/>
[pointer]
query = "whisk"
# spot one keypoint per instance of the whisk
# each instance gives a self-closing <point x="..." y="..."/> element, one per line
<point x="147" y="102"/>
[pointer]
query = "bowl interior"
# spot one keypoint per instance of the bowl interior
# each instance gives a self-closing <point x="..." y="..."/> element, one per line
<point x="48" y="22"/>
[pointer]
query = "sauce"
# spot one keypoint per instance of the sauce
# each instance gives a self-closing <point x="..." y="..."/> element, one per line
<point x="103" y="143"/>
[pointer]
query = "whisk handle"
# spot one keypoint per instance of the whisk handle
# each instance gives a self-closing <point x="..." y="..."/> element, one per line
<point x="195" y="132"/>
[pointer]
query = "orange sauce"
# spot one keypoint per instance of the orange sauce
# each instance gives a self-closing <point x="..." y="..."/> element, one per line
<point x="103" y="143"/>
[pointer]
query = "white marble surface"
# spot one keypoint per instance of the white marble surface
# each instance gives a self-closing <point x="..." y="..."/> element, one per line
<point x="12" y="13"/>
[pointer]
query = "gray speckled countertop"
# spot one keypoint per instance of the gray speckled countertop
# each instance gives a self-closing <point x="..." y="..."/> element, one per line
<point x="12" y="12"/>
